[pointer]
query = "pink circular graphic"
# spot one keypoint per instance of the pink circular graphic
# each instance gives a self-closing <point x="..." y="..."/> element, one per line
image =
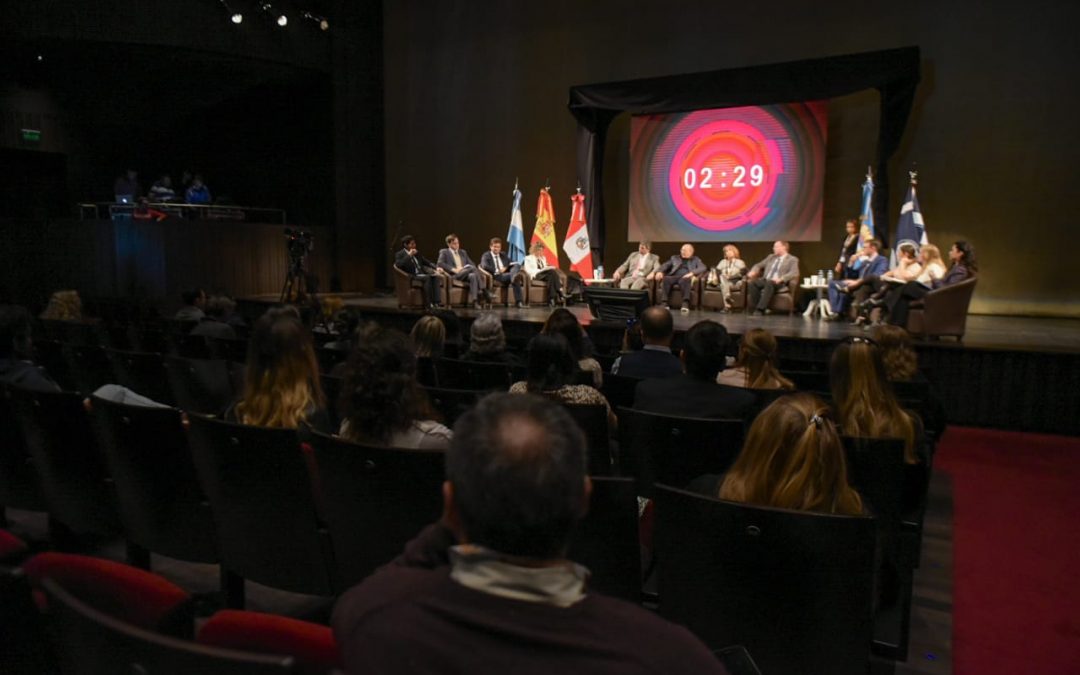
<point x="723" y="175"/>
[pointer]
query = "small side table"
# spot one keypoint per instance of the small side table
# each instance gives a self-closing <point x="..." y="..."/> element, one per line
<point x="820" y="304"/>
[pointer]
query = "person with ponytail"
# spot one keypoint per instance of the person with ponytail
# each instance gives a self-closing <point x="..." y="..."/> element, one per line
<point x="756" y="367"/>
<point x="792" y="459"/>
<point x="383" y="402"/>
<point x="281" y="379"/>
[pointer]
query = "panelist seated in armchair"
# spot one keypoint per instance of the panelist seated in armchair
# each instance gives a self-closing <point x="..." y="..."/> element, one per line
<point x="873" y="267"/>
<point x="679" y="271"/>
<point x="638" y="268"/>
<point x="455" y="261"/>
<point x="770" y="275"/>
<point x="728" y="274"/>
<point x="537" y="267"/>
<point x="498" y="265"/>
<point x="964" y="266"/>
<point x="411" y="262"/>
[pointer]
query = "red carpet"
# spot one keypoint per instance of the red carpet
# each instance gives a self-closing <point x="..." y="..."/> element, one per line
<point x="1016" y="551"/>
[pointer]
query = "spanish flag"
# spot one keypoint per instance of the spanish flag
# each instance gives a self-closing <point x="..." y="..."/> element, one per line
<point x="544" y="232"/>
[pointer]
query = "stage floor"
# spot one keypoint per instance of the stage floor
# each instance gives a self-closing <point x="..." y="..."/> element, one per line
<point x="983" y="331"/>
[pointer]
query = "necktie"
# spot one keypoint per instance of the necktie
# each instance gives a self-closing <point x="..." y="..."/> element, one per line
<point x="498" y="264"/>
<point x="775" y="268"/>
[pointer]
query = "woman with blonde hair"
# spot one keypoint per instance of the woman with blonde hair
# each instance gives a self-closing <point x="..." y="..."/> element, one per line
<point x="428" y="337"/>
<point x="728" y="274"/>
<point x="63" y="306"/>
<point x="756" y="367"/>
<point x="281" y="380"/>
<point x="792" y="459"/>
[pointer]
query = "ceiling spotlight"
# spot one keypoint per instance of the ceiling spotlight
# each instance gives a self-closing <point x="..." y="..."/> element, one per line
<point x="238" y="18"/>
<point x="324" y="24"/>
<point x="321" y="20"/>
<point x="283" y="21"/>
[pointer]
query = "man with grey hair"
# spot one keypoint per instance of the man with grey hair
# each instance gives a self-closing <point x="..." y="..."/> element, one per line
<point x="488" y="588"/>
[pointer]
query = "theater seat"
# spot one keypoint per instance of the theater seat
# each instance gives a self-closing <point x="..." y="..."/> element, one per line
<point x="311" y="645"/>
<point x="11" y="547"/>
<point x="409" y="290"/>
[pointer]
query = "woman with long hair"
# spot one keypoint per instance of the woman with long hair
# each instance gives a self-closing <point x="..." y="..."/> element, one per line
<point x="792" y="459"/>
<point x="428" y="337"/>
<point x="281" y="380"/>
<point x="384" y="403"/>
<point x="757" y="365"/>
<point x="551" y="374"/>
<point x="563" y="322"/>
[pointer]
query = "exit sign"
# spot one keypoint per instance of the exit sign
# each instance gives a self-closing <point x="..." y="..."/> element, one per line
<point x="31" y="136"/>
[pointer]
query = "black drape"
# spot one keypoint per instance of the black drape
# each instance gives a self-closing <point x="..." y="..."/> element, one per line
<point x="893" y="72"/>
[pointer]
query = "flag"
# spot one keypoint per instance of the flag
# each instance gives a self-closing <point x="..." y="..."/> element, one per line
<point x="544" y="232"/>
<point x="866" y="216"/>
<point x="576" y="244"/>
<point x="910" y="229"/>
<point x="515" y="237"/>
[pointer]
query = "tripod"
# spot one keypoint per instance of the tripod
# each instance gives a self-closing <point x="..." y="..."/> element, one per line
<point x="295" y="287"/>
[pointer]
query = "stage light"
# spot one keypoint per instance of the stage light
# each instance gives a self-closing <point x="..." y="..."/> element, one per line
<point x="238" y="18"/>
<point x="324" y="24"/>
<point x="283" y="21"/>
<point x="40" y="58"/>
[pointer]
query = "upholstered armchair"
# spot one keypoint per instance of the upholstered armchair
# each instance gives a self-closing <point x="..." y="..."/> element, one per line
<point x="409" y="290"/>
<point x="942" y="311"/>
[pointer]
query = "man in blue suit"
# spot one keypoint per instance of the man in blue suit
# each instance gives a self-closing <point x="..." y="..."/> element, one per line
<point x="873" y="265"/>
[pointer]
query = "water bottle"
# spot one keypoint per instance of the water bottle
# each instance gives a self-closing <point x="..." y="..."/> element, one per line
<point x="600" y="271"/>
<point x="830" y="276"/>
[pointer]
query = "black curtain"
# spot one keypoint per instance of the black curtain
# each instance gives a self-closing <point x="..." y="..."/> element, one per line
<point x="893" y="72"/>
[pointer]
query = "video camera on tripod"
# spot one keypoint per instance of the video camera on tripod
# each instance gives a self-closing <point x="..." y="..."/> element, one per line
<point x="299" y="242"/>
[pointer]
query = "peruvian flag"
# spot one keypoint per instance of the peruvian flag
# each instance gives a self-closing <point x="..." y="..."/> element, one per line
<point x="544" y="230"/>
<point x="577" y="239"/>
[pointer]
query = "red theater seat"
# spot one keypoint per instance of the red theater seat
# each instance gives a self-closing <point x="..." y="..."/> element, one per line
<point x="11" y="547"/>
<point x="311" y="645"/>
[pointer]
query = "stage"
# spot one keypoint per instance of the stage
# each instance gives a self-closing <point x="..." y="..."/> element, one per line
<point x="1008" y="372"/>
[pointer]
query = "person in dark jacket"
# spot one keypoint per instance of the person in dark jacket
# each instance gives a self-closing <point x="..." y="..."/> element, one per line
<point x="16" y="348"/>
<point x="655" y="358"/>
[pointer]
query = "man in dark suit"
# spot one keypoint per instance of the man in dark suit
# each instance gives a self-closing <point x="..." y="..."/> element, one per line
<point x="498" y="265"/>
<point x="409" y="261"/>
<point x="680" y="271"/>
<point x="873" y="266"/>
<point x="695" y="393"/>
<point x="769" y="275"/>
<point x="655" y="359"/>
<point x="456" y="262"/>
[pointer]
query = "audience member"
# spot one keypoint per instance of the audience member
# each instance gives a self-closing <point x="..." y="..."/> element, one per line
<point x="867" y="407"/>
<point x="213" y="324"/>
<point x="551" y="374"/>
<point x="63" y="306"/>
<point x="197" y="192"/>
<point x="563" y="322"/>
<point x="457" y="264"/>
<point x="638" y="269"/>
<point x="695" y="393"/>
<point x="281" y="378"/>
<point x="902" y="365"/>
<point x="344" y="326"/>
<point x="126" y="188"/>
<point x="382" y="401"/>
<point x="769" y="275"/>
<point x="488" y="589"/>
<point x="655" y="358"/>
<point x="16" y="351"/>
<point x="143" y="212"/>
<point x="502" y="270"/>
<point x="680" y="271"/>
<point x="728" y="275"/>
<point x="162" y="190"/>
<point x="487" y="342"/>
<point x="757" y="366"/>
<point x="792" y="459"/>
<point x="410" y="261"/>
<point x="194" y="303"/>
<point x="428" y="337"/>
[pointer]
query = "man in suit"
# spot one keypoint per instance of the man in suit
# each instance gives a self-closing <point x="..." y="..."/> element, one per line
<point x="498" y="265"/>
<point x="695" y="393"/>
<point x="456" y="263"/>
<point x="769" y="275"/>
<point x="655" y="358"/>
<point x="409" y="261"/>
<point x="680" y="271"/>
<point x="873" y="265"/>
<point x="635" y="272"/>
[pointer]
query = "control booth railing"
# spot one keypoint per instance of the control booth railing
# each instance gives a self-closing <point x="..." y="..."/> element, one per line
<point x="254" y="214"/>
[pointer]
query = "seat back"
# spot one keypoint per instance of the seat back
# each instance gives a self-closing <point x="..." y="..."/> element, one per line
<point x="674" y="450"/>
<point x="452" y="403"/>
<point x="200" y="385"/>
<point x="606" y="539"/>
<point x="478" y="375"/>
<point x="20" y="487"/>
<point x="619" y="390"/>
<point x="161" y="504"/>
<point x="311" y="644"/>
<point x="409" y="294"/>
<point x="49" y="354"/>
<point x="795" y="588"/>
<point x="593" y="421"/>
<point x="141" y="372"/>
<point x="374" y="501"/>
<point x="259" y="488"/>
<point x="875" y="468"/>
<point x="88" y="366"/>
<point x="90" y="641"/>
<point x="227" y="349"/>
<point x="809" y="380"/>
<point x="73" y="478"/>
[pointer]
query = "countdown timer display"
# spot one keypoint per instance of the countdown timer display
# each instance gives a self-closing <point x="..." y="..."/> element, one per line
<point x="732" y="174"/>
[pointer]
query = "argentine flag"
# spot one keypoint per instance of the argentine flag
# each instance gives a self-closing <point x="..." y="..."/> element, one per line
<point x="866" y="216"/>
<point x="910" y="229"/>
<point x="515" y="238"/>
